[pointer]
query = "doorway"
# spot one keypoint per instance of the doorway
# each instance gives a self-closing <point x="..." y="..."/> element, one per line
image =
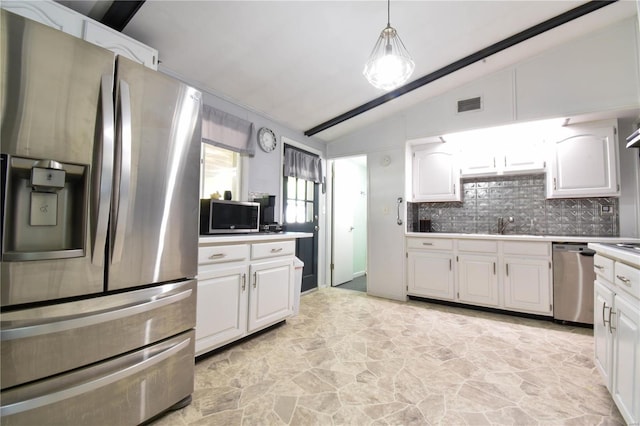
<point x="349" y="223"/>
<point x="301" y="212"/>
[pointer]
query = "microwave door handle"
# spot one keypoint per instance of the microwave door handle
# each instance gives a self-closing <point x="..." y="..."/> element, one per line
<point x="124" y="178"/>
<point x="103" y="186"/>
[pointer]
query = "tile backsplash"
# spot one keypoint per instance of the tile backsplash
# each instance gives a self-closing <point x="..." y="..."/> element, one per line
<point x="521" y="197"/>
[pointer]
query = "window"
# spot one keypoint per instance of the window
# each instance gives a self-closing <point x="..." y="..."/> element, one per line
<point x="219" y="171"/>
<point x="300" y="196"/>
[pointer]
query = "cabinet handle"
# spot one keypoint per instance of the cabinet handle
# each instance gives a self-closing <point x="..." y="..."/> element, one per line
<point x="600" y="267"/>
<point x="494" y="162"/>
<point x="611" y="328"/>
<point x="454" y="189"/>
<point x="244" y="281"/>
<point x="217" y="256"/>
<point x="494" y="268"/>
<point x="624" y="279"/>
<point x="427" y="244"/>
<point x="604" y="321"/>
<point x="507" y="265"/>
<point x="276" y="250"/>
<point x="255" y="279"/>
<point x="505" y="161"/>
<point x="555" y="186"/>
<point x="450" y="261"/>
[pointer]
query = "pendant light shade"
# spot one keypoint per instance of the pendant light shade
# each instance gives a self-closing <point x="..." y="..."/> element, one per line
<point x="389" y="65"/>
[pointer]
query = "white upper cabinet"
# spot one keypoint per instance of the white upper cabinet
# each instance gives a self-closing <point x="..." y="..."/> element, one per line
<point x="435" y="174"/>
<point x="584" y="163"/>
<point x="121" y="44"/>
<point x="48" y="13"/>
<point x="501" y="150"/>
<point x="64" y="19"/>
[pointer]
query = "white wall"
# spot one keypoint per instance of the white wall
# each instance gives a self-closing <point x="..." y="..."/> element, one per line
<point x="360" y="220"/>
<point x="261" y="172"/>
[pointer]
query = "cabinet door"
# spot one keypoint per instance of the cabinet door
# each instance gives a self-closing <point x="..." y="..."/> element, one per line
<point x="527" y="285"/>
<point x="435" y="175"/>
<point x="121" y="44"/>
<point x="270" y="293"/>
<point x="602" y="337"/>
<point x="478" y="162"/>
<point x="584" y="164"/>
<point x="48" y="13"/>
<point x="221" y="314"/>
<point x="478" y="279"/>
<point x="626" y="358"/>
<point x="430" y="275"/>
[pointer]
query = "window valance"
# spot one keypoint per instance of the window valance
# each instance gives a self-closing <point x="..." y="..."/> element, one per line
<point x="302" y="165"/>
<point x="227" y="131"/>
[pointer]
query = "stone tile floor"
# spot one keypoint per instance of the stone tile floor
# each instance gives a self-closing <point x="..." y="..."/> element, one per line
<point x="353" y="359"/>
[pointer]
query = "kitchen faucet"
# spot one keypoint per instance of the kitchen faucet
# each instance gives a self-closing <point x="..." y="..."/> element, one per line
<point x="502" y="224"/>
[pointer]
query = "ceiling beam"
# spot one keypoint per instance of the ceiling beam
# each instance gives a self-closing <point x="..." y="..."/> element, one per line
<point x="120" y="13"/>
<point x="481" y="54"/>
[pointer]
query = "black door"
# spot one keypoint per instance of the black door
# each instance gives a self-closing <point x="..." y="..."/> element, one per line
<point x="301" y="215"/>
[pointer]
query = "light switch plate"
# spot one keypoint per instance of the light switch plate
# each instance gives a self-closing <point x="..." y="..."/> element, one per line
<point x="44" y="209"/>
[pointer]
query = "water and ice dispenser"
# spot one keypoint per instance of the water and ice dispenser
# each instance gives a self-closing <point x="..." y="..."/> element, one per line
<point x="44" y="209"/>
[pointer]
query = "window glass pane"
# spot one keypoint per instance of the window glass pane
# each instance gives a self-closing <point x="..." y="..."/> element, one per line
<point x="290" y="213"/>
<point x="310" y="190"/>
<point x="301" y="189"/>
<point x="220" y="172"/>
<point x="291" y="187"/>
<point x="300" y="207"/>
<point x="309" y="217"/>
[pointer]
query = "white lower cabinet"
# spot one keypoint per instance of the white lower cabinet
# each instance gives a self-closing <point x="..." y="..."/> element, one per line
<point x="509" y="275"/>
<point x="478" y="279"/>
<point x="431" y="275"/>
<point x="221" y="314"/>
<point x="527" y="284"/>
<point x="602" y="337"/>
<point x="271" y="293"/>
<point x="242" y="288"/>
<point x="626" y="358"/>
<point x="616" y="332"/>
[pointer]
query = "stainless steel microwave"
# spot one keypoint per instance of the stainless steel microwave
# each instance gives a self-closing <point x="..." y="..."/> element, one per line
<point x="227" y="217"/>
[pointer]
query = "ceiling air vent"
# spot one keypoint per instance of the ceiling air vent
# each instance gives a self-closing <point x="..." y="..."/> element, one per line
<point x="471" y="104"/>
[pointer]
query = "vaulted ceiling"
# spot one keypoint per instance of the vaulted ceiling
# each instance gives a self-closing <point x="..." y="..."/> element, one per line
<point x="300" y="62"/>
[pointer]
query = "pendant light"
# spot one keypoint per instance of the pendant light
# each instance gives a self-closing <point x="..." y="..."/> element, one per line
<point x="389" y="65"/>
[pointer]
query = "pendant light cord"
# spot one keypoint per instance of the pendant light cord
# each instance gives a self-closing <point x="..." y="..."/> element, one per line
<point x="388" y="13"/>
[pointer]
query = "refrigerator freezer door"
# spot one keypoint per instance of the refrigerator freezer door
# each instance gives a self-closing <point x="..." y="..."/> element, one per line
<point x="51" y="110"/>
<point x="154" y="235"/>
<point x="41" y="342"/>
<point x="125" y="390"/>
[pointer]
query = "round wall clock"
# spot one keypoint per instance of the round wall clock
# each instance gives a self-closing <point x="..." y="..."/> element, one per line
<point x="267" y="139"/>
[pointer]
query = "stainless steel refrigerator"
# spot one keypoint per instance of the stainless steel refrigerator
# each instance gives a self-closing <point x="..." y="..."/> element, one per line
<point x="99" y="232"/>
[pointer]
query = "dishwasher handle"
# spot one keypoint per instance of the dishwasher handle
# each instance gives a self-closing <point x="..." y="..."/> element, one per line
<point x="588" y="253"/>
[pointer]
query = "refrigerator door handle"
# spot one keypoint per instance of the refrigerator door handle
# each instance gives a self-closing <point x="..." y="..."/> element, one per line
<point x="124" y="169"/>
<point x="106" y="171"/>
<point x="85" y="319"/>
<point x="61" y="395"/>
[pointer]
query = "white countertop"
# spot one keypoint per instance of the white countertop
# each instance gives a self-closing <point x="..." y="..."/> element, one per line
<point x="258" y="236"/>
<point x="507" y="237"/>
<point x="625" y="256"/>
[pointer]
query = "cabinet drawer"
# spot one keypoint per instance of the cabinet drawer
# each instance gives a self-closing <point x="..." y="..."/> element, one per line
<point x="526" y="248"/>
<point x="603" y="266"/>
<point x="628" y="278"/>
<point x="430" y="243"/>
<point x="222" y="254"/>
<point x="484" y="246"/>
<point x="278" y="248"/>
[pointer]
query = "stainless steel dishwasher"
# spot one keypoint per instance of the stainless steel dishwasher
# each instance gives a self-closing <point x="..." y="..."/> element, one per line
<point x="573" y="278"/>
